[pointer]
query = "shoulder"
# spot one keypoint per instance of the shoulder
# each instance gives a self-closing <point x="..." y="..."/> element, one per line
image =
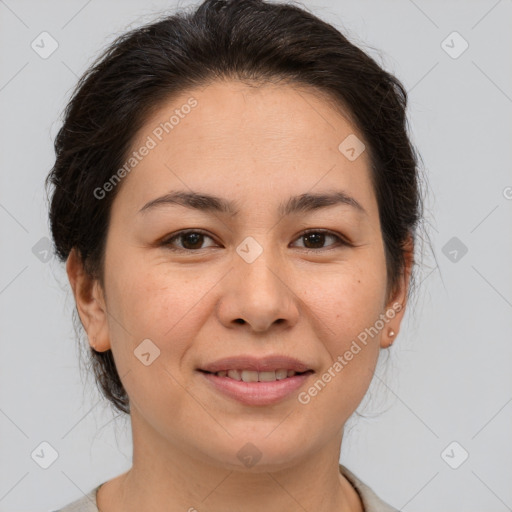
<point x="86" y="503"/>
<point x="371" y="502"/>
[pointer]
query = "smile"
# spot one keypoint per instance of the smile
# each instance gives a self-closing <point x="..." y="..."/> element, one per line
<point x="253" y="376"/>
<point x="254" y="388"/>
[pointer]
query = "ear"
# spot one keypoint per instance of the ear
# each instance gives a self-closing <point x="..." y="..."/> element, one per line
<point x="395" y="308"/>
<point x="90" y="302"/>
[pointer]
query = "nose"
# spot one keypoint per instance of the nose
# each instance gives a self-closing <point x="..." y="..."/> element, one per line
<point x="259" y="294"/>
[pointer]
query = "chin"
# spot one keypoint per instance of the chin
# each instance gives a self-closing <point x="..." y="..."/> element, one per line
<point x="259" y="452"/>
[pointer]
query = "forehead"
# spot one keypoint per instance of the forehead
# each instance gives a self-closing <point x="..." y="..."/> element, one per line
<point x="260" y="112"/>
<point x="230" y="134"/>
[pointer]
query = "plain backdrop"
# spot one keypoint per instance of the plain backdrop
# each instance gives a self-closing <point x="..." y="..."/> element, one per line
<point x="437" y="435"/>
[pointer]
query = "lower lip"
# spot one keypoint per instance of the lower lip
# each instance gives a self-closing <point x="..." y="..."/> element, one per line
<point x="257" y="393"/>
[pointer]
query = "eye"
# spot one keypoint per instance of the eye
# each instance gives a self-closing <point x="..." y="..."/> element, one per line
<point x="190" y="240"/>
<point x="315" y="239"/>
<point x="193" y="240"/>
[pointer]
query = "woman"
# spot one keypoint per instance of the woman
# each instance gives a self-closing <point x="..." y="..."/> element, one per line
<point x="236" y="199"/>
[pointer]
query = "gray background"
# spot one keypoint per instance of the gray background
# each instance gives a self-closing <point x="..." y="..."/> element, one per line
<point x="448" y="376"/>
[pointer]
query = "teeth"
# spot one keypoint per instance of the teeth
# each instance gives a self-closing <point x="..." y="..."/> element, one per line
<point x="253" y="376"/>
<point x="234" y="374"/>
<point x="266" y="376"/>
<point x="281" y="374"/>
<point x="249" y="376"/>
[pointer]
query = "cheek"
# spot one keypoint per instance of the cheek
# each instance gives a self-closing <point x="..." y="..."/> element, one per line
<point x="345" y="307"/>
<point x="151" y="303"/>
<point x="347" y="300"/>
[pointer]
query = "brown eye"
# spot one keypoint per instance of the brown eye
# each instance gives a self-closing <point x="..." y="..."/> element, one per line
<point x="316" y="239"/>
<point x="192" y="240"/>
<point x="187" y="241"/>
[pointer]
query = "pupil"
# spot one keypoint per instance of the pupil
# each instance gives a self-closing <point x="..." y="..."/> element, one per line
<point x="193" y="238"/>
<point x="315" y="238"/>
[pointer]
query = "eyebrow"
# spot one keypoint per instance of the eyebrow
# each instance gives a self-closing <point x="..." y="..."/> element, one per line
<point x="295" y="204"/>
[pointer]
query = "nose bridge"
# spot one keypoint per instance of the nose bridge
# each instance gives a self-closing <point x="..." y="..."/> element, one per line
<point x="258" y="294"/>
<point x="258" y="267"/>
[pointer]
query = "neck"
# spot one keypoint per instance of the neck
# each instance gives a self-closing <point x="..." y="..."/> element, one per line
<point x="165" y="478"/>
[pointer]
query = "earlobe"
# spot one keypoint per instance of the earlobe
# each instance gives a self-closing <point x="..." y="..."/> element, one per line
<point x="390" y="338"/>
<point x="90" y="303"/>
<point x="394" y="314"/>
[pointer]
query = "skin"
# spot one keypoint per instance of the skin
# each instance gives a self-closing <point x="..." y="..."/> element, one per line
<point x="256" y="146"/>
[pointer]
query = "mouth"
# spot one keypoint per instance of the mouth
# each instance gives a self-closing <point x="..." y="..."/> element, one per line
<point x="271" y="367"/>
<point x="255" y="376"/>
<point x="256" y="381"/>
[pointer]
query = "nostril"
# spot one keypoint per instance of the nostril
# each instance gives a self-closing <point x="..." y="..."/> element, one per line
<point x="240" y="321"/>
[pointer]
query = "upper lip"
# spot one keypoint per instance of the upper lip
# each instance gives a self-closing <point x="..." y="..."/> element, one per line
<point x="258" y="364"/>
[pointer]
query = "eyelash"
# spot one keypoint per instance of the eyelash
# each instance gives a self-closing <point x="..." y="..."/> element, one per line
<point x="340" y="241"/>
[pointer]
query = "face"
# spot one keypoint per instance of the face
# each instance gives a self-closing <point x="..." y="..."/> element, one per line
<point x="268" y="270"/>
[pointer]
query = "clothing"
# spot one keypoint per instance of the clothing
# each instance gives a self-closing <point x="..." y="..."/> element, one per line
<point x="371" y="502"/>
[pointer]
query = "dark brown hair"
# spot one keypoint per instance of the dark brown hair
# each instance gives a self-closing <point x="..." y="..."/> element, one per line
<point x="248" y="40"/>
